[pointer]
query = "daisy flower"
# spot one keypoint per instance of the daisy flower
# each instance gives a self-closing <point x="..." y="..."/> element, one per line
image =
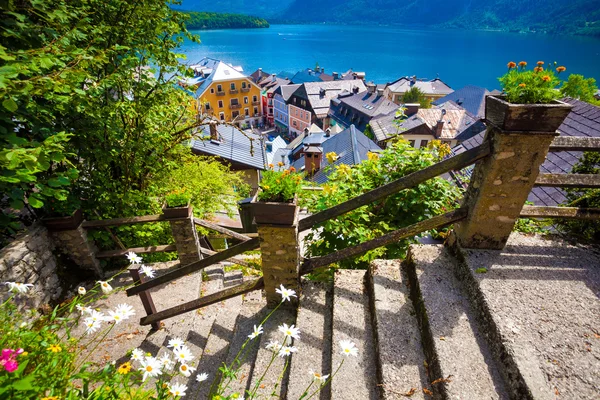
<point x="186" y="370"/>
<point x="286" y="293"/>
<point x="83" y="309"/>
<point x="150" y="367"/>
<point x="16" y="287"/>
<point x="91" y="325"/>
<point x="105" y="286"/>
<point x="81" y="290"/>
<point x="348" y="348"/>
<point x="256" y="332"/>
<point x="287" y="351"/>
<point x="137" y="354"/>
<point x="114" y="316"/>
<point x="178" y="389"/>
<point x="146" y="270"/>
<point x="133" y="258"/>
<point x="183" y="354"/>
<point x="125" y="310"/>
<point x="273" y="345"/>
<point x="175" y="343"/>
<point x="96" y="315"/>
<point x="201" y="377"/>
<point x="317" y="377"/>
<point x="290" y="331"/>
<point x="166" y="362"/>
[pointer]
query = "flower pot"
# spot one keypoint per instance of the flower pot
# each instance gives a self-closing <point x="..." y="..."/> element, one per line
<point x="271" y="213"/>
<point x="177" y="212"/>
<point x="64" y="223"/>
<point x="525" y="117"/>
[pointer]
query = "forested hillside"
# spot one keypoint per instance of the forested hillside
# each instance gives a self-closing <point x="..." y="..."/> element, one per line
<point x="212" y="20"/>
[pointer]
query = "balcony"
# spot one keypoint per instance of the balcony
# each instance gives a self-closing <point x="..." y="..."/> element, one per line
<point x="233" y="91"/>
<point x="257" y="114"/>
<point x="221" y="93"/>
<point x="255" y="103"/>
<point x="235" y="106"/>
<point x="245" y="90"/>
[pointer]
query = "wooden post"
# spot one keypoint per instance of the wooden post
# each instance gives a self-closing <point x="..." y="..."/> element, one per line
<point x="145" y="296"/>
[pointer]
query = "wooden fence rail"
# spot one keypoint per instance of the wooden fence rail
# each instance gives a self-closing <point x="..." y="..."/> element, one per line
<point x="560" y="212"/>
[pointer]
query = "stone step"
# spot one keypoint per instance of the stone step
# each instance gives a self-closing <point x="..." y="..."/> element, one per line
<point x="314" y="347"/>
<point x="460" y="364"/>
<point x="233" y="278"/>
<point x="400" y="358"/>
<point x="356" y="379"/>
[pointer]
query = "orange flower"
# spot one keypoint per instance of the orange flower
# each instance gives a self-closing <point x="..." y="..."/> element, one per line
<point x="522" y="64"/>
<point x="546" y="78"/>
<point x="280" y="164"/>
<point x="522" y="85"/>
<point x="560" y="69"/>
<point x="511" y="64"/>
<point x="271" y="166"/>
<point x="538" y="69"/>
<point x="540" y="63"/>
<point x="292" y="169"/>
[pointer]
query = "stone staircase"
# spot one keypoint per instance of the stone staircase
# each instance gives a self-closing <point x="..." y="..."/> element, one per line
<point x="434" y="326"/>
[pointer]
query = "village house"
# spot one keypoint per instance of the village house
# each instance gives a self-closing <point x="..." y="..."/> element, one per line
<point x="447" y="122"/>
<point x="470" y="97"/>
<point x="359" y="109"/>
<point x="224" y="91"/>
<point x="281" y="116"/>
<point x="433" y="89"/>
<point x="268" y="86"/>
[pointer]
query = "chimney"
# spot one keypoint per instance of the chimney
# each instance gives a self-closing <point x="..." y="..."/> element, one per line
<point x="274" y="76"/>
<point x="355" y="89"/>
<point x="322" y="70"/>
<point x="321" y="92"/>
<point x="306" y="131"/>
<point x="335" y="76"/>
<point x="413" y="80"/>
<point x="214" y="135"/>
<point x="312" y="161"/>
<point x="411" y="109"/>
<point x="440" y="125"/>
<point x="328" y="132"/>
<point x="380" y="92"/>
<point x="371" y="87"/>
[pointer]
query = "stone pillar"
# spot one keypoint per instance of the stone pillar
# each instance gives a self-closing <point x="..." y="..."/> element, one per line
<point x="280" y="261"/>
<point x="75" y="244"/>
<point x="500" y="185"/>
<point x="186" y="240"/>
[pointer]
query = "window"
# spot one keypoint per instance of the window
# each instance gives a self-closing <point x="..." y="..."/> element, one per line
<point x="270" y="102"/>
<point x="207" y="105"/>
<point x="234" y="102"/>
<point x="246" y="112"/>
<point x="303" y="102"/>
<point x="294" y="122"/>
<point x="254" y="99"/>
<point x="220" y="103"/>
<point x="424" y="143"/>
<point x="222" y="116"/>
<point x="412" y="143"/>
<point x="219" y="88"/>
<point x="212" y="90"/>
<point x="243" y="85"/>
<point x="255" y="110"/>
<point x="246" y="100"/>
<point x="232" y="86"/>
<point x="235" y="114"/>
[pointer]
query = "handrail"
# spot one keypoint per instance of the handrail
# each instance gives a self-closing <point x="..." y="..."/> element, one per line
<point x="568" y="180"/>
<point x="101" y="223"/>
<point x="213" y="298"/>
<point x="560" y="212"/>
<point x="438" y="221"/>
<point x="220" y="229"/>
<point x="235" y="260"/>
<point x="139" y="250"/>
<point x="453" y="163"/>
<point x="195" y="266"/>
<point x="575" y="143"/>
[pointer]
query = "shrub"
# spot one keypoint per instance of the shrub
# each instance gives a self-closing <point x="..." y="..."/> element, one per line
<point x="279" y="186"/>
<point x="178" y="198"/>
<point x="537" y="86"/>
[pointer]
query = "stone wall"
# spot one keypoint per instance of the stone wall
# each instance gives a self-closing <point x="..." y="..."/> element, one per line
<point x="30" y="259"/>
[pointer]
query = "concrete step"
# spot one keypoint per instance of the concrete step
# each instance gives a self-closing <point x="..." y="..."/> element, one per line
<point x="400" y="358"/>
<point x="460" y="364"/>
<point x="314" y="347"/>
<point x="356" y="379"/>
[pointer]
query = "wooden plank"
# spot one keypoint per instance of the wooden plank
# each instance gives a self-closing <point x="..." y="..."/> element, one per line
<point x="195" y="266"/>
<point x="432" y="223"/>
<point x="575" y="143"/>
<point x="568" y="180"/>
<point x="560" y="212"/>
<point x="221" y="236"/>
<point x="236" y="260"/>
<point x="110" y="232"/>
<point x="213" y="298"/>
<point x="451" y="164"/>
<point x="139" y="250"/>
<point x="220" y="229"/>
<point x="101" y="223"/>
<point x="145" y="297"/>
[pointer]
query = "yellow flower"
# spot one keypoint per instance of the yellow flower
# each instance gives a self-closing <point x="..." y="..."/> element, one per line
<point x="124" y="368"/>
<point x="372" y="156"/>
<point x="280" y="164"/>
<point x="521" y="85"/>
<point x="23" y="354"/>
<point x="344" y="169"/>
<point x="54" y="348"/>
<point x="327" y="189"/>
<point x="271" y="166"/>
<point x="331" y="157"/>
<point x="50" y="398"/>
<point x="266" y="187"/>
<point x="546" y="78"/>
<point x="560" y="69"/>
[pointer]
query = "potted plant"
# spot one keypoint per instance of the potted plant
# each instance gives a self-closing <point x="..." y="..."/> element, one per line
<point x="62" y="215"/>
<point x="275" y="203"/>
<point x="177" y="204"/>
<point x="529" y="100"/>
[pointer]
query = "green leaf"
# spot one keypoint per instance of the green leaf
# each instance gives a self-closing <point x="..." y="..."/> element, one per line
<point x="24" y="384"/>
<point x="481" y="270"/>
<point x="10" y="105"/>
<point x="35" y="201"/>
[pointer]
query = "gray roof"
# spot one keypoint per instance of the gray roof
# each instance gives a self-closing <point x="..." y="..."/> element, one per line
<point x="360" y="108"/>
<point x="433" y="87"/>
<point x="470" y="97"/>
<point x="351" y="146"/>
<point x="384" y="127"/>
<point x="319" y="94"/>
<point x="233" y="146"/>
<point x="286" y="91"/>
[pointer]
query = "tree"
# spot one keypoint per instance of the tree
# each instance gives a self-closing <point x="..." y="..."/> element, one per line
<point x="416" y="95"/>
<point x="401" y="209"/>
<point x="578" y="87"/>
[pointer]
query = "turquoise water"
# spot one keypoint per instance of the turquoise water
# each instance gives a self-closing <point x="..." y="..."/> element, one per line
<point x="386" y="53"/>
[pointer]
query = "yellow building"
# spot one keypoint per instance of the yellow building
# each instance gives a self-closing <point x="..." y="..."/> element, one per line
<point x="224" y="91"/>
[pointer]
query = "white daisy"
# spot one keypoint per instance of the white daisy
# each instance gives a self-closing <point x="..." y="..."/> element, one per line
<point x="290" y="331"/>
<point x="166" y="362"/>
<point x="97" y="315"/>
<point x="201" y="377"/>
<point x="285" y="293"/>
<point x="125" y="310"/>
<point x="91" y="325"/>
<point x="151" y="367"/>
<point x="287" y="350"/>
<point x="146" y="270"/>
<point x="256" y="332"/>
<point x="183" y="354"/>
<point x="186" y="370"/>
<point x="175" y="343"/>
<point x="83" y="309"/>
<point x="273" y="345"/>
<point x="81" y="290"/>
<point x="178" y="389"/>
<point x="133" y="258"/>
<point x="137" y="354"/>
<point x="317" y="377"/>
<point x="105" y="286"/>
<point x="348" y="348"/>
<point x="114" y="316"/>
<point x="16" y="287"/>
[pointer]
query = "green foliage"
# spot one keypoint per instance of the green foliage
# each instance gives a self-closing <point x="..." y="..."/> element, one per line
<point x="578" y="87"/>
<point x="585" y="198"/>
<point x="436" y="196"/>
<point x="537" y="86"/>
<point x="210" y="20"/>
<point x="178" y="198"/>
<point x="279" y="186"/>
<point x="416" y="95"/>
<point x="527" y="225"/>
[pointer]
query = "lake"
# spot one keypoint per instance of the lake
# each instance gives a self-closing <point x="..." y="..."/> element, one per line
<point x="387" y="53"/>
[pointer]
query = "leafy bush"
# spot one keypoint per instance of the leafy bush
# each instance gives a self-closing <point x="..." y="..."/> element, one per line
<point x="537" y="86"/>
<point x="178" y="198"/>
<point x="435" y="196"/>
<point x="279" y="186"/>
